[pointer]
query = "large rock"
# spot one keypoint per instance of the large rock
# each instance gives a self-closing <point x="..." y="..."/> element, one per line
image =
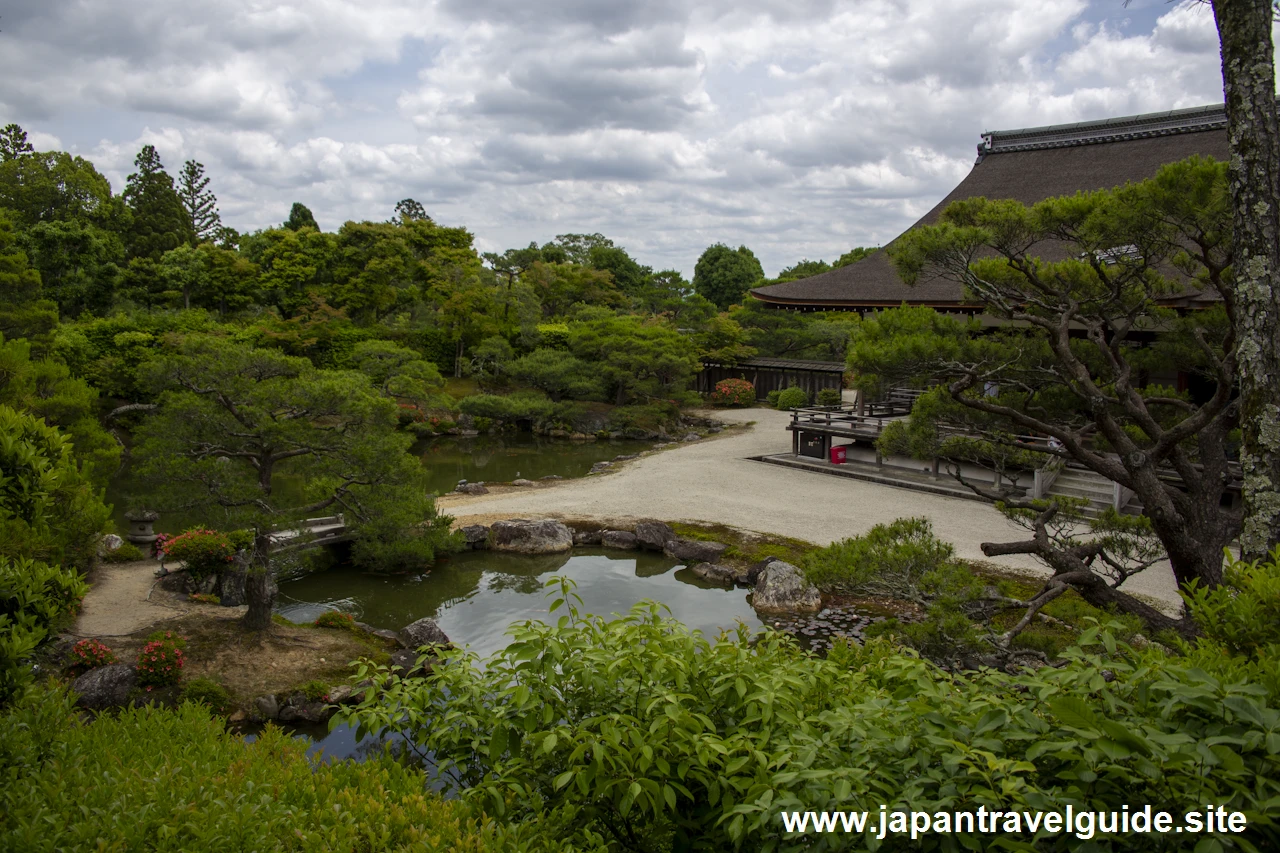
<point x="268" y="707"/>
<point x="109" y="543"/>
<point x="752" y="574"/>
<point x="231" y="581"/>
<point x="530" y="537"/>
<point x="105" y="687"/>
<point x="716" y="573"/>
<point x="582" y="538"/>
<point x="653" y="535"/>
<point x="620" y="539"/>
<point x="692" y="551"/>
<point x="476" y="537"/>
<point x="782" y="587"/>
<point x="472" y="489"/>
<point x="424" y="632"/>
<point x="299" y="709"/>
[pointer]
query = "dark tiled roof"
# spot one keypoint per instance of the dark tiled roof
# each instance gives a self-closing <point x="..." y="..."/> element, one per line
<point x="1027" y="166"/>
<point x="794" y="364"/>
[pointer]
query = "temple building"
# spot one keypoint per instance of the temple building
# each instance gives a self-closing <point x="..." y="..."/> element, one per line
<point x="1027" y="165"/>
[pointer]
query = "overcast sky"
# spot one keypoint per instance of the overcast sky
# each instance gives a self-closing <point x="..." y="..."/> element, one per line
<point x="798" y="127"/>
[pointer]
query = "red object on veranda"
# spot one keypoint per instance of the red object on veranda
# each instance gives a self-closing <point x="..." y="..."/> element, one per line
<point x="838" y="455"/>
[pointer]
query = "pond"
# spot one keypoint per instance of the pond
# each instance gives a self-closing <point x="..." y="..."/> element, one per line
<point x="503" y="458"/>
<point x="448" y="459"/>
<point x="475" y="597"/>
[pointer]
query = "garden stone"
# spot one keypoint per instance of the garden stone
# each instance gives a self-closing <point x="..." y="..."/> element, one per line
<point x="693" y="436"/>
<point x="716" y="573"/>
<point x="522" y="482"/>
<point x="587" y="537"/>
<point x="231" y="581"/>
<point x="298" y="708"/>
<point x="782" y="587"/>
<point x="623" y="457"/>
<point x="106" y="687"/>
<point x="109" y="543"/>
<point x="620" y="539"/>
<point x="476" y="537"/>
<point x="472" y="489"/>
<point x="530" y="537"/>
<point x="381" y="633"/>
<point x="691" y="551"/>
<point x="653" y="535"/>
<point x="404" y="663"/>
<point x="268" y="707"/>
<point x="599" y="467"/>
<point x="424" y="632"/>
<point x="753" y="573"/>
<point x="551" y="477"/>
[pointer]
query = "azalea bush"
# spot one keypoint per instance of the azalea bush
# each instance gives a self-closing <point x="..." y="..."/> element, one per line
<point x="160" y="661"/>
<point x="653" y="737"/>
<point x="203" y="552"/>
<point x="91" y="654"/>
<point x="335" y="619"/>
<point x="734" y="392"/>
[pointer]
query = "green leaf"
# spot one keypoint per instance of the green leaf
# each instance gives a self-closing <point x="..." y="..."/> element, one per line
<point x="1074" y="712"/>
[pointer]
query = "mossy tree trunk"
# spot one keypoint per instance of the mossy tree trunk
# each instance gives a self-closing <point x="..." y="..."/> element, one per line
<point x="259" y="587"/>
<point x="1248" y="74"/>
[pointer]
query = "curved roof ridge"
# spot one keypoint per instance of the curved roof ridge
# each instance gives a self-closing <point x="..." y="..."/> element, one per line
<point x="1190" y="120"/>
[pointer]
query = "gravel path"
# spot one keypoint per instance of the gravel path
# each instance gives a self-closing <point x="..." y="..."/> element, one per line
<point x="714" y="480"/>
<point x="123" y="598"/>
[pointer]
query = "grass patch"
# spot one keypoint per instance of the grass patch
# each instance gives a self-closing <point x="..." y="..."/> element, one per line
<point x="461" y="386"/>
<point x="745" y="546"/>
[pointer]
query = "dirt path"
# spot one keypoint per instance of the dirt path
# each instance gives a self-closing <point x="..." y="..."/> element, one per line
<point x="717" y="481"/>
<point x="123" y="598"/>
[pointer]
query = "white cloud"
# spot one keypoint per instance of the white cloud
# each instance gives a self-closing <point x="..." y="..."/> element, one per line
<point x="800" y="127"/>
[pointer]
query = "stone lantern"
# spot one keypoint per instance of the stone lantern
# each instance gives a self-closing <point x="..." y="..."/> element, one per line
<point x="141" y="524"/>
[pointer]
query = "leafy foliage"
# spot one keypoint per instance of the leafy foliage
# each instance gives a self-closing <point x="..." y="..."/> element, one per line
<point x="126" y="553"/>
<point x="49" y="511"/>
<point x="35" y="598"/>
<point x="187" y="784"/>
<point x="656" y="738"/>
<point x="209" y="693"/>
<point x="792" y="398"/>
<point x="724" y="275"/>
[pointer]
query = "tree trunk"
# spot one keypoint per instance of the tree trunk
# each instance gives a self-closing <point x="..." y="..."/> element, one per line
<point x="259" y="588"/>
<point x="1248" y="75"/>
<point x="457" y="361"/>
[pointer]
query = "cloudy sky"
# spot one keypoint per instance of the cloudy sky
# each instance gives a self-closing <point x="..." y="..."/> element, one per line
<point x="798" y="127"/>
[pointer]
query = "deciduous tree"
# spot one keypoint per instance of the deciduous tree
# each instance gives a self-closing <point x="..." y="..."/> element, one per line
<point x="724" y="275"/>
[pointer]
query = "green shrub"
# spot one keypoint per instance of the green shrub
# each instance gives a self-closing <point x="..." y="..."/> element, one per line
<point x="242" y="539"/>
<point x="210" y="694"/>
<point x="205" y="598"/>
<point x="1243" y="614"/>
<point x="772" y="398"/>
<point x="510" y="407"/>
<point x="202" y="552"/>
<point x="175" y="781"/>
<point x="49" y="509"/>
<point x="734" y="392"/>
<point x="126" y="553"/>
<point x="643" y="418"/>
<point x="639" y="726"/>
<point x="35" y="599"/>
<point x="888" y="560"/>
<point x="792" y="398"/>
<point x="829" y="397"/>
<point x="315" y="691"/>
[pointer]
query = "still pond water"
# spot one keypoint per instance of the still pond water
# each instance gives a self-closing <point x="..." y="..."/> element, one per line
<point x="475" y="597"/>
<point x="484" y="458"/>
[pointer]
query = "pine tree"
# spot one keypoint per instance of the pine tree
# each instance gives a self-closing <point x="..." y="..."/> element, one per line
<point x="160" y="221"/>
<point x="300" y="217"/>
<point x="13" y="142"/>
<point x="200" y="203"/>
<point x="411" y="209"/>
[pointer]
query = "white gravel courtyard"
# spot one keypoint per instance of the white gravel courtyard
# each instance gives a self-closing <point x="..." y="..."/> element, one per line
<point x="715" y="480"/>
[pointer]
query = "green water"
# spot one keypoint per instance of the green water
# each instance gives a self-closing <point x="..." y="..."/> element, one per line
<point x="485" y="458"/>
<point x="475" y="596"/>
<point x="503" y="458"/>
